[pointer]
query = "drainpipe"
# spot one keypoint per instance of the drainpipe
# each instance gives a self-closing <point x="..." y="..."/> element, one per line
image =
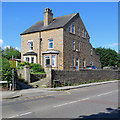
<point x="40" y="39"/>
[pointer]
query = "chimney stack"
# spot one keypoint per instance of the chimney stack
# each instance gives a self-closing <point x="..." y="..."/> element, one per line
<point x="48" y="16"/>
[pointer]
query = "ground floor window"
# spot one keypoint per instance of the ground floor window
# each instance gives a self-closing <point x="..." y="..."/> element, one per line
<point x="47" y="60"/>
<point x="27" y="59"/>
<point x="83" y="62"/>
<point x="53" y="60"/>
<point x="50" y="60"/>
<point x="77" y="64"/>
<point x="30" y="59"/>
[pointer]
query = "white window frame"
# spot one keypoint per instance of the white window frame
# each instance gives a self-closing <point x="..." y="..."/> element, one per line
<point x="73" y="29"/>
<point x="30" y="58"/>
<point x="29" y="41"/>
<point x="54" y="61"/>
<point x="33" y="59"/>
<point x="78" y="31"/>
<point x="69" y="27"/>
<point x="73" y="44"/>
<point x="27" y="60"/>
<point x="46" y="58"/>
<point x="78" y="45"/>
<point x="49" y="43"/>
<point x="73" y="61"/>
<point x="91" y="51"/>
<point x="82" y="32"/>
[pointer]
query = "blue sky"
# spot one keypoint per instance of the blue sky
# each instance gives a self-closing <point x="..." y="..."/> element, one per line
<point x="100" y="19"/>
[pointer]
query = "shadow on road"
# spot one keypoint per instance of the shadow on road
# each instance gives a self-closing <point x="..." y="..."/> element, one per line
<point x="21" y="85"/>
<point x="111" y="114"/>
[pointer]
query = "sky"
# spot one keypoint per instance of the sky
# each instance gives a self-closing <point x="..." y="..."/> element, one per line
<point x="99" y="18"/>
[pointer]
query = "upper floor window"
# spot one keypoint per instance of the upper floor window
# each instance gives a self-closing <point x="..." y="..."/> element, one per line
<point x="73" y="61"/>
<point x="82" y="32"/>
<point x="73" y="45"/>
<point x="78" y="31"/>
<point x="78" y="45"/>
<point x="30" y="43"/>
<point x="69" y="27"/>
<point x="50" y="43"/>
<point x="91" y="51"/>
<point x="73" y="29"/>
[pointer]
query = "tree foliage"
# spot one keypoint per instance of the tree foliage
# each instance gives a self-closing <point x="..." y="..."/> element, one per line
<point x="6" y="56"/>
<point x="9" y="51"/>
<point x="108" y="57"/>
<point x="6" y="70"/>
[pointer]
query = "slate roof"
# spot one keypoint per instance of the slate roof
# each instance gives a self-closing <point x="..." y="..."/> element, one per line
<point x="30" y="53"/>
<point x="57" y="22"/>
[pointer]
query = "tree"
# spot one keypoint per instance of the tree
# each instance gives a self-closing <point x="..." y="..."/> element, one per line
<point x="6" y="70"/>
<point x="108" y="57"/>
<point x="9" y="51"/>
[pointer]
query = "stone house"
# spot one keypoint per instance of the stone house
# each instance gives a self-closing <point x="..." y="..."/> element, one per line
<point x="62" y="42"/>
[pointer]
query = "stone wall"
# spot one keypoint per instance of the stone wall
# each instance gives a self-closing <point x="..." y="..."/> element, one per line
<point x="84" y="47"/>
<point x="84" y="75"/>
<point x="24" y="73"/>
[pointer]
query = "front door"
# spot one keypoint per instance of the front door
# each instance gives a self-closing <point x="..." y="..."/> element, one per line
<point x="77" y="64"/>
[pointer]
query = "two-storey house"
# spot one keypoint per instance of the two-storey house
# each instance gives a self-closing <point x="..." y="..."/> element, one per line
<point x="62" y="42"/>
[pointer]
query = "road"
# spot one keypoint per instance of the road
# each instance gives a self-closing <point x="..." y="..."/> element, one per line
<point x="89" y="102"/>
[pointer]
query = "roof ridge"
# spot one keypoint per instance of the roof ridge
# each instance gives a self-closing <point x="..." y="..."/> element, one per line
<point x="66" y="15"/>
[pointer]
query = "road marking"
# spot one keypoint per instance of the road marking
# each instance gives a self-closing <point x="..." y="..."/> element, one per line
<point x="68" y="92"/>
<point x="83" y="99"/>
<point x="20" y="115"/>
<point x="71" y="102"/>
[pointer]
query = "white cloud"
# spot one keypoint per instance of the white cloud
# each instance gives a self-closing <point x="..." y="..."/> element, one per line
<point x="8" y="46"/>
<point x="17" y="48"/>
<point x="113" y="45"/>
<point x="1" y="42"/>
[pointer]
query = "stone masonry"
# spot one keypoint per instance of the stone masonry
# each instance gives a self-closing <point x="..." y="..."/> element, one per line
<point x="62" y="43"/>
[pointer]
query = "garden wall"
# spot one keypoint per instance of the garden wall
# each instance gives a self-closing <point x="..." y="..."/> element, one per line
<point x="84" y="75"/>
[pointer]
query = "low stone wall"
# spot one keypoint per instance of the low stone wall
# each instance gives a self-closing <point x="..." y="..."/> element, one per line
<point x="36" y="77"/>
<point x="84" y="75"/>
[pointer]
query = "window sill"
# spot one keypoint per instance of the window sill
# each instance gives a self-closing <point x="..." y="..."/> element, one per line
<point x="72" y="33"/>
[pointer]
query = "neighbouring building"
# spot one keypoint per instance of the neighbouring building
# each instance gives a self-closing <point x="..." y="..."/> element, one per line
<point x="62" y="42"/>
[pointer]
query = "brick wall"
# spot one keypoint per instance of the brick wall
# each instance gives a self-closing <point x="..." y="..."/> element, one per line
<point x="84" y="75"/>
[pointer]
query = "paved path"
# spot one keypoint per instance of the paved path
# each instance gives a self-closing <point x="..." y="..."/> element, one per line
<point x="93" y="101"/>
<point x="14" y="94"/>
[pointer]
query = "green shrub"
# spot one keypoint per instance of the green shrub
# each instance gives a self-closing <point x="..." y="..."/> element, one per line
<point x="36" y="67"/>
<point x="6" y="70"/>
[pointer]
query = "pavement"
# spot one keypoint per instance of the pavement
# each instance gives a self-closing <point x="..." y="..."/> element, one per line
<point x="18" y="93"/>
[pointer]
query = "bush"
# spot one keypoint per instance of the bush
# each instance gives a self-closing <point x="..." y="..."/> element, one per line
<point x="36" y="67"/>
<point x="6" y="70"/>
